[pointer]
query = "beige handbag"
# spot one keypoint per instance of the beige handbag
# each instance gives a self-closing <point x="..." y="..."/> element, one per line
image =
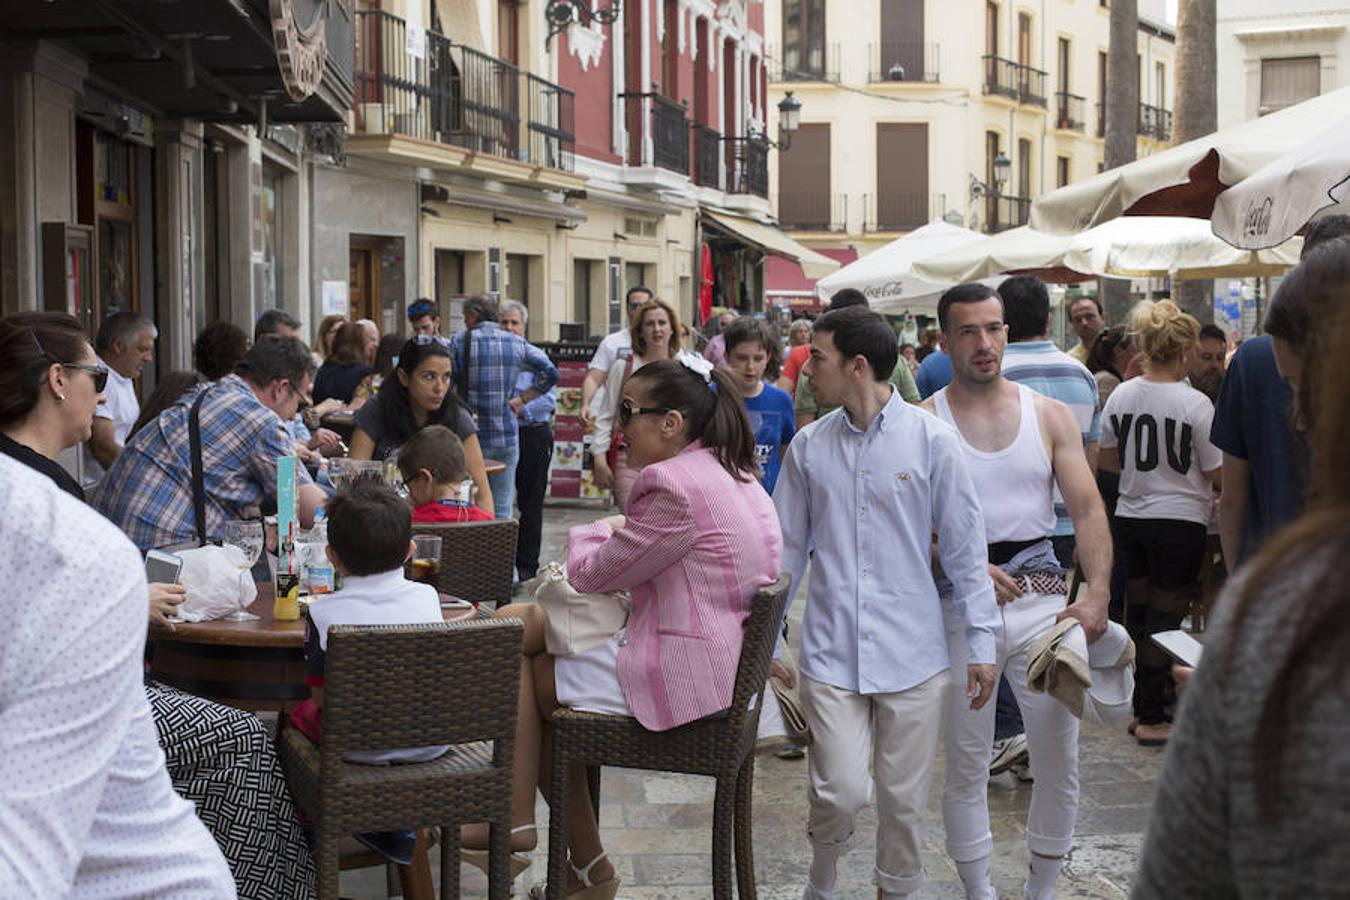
<point x="575" y="622"/>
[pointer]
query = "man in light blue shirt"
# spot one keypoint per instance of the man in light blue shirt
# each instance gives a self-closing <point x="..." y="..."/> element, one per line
<point x="862" y="491"/>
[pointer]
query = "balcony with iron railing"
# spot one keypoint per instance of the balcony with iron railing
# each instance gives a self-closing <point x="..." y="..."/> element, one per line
<point x="798" y="62"/>
<point x="901" y="210"/>
<point x="813" y="211"/>
<point x="1155" y="122"/>
<point x="747" y="161"/>
<point x="657" y="118"/>
<point x="1006" y="78"/>
<point x="905" y="61"/>
<point x="1070" y="112"/>
<point x="1002" y="212"/>
<point x="457" y="95"/>
<point x="707" y="157"/>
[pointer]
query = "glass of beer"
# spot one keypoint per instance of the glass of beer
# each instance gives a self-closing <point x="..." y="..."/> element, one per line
<point x="426" y="559"/>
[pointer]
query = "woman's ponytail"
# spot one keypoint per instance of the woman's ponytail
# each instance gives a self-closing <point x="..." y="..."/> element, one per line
<point x="727" y="430"/>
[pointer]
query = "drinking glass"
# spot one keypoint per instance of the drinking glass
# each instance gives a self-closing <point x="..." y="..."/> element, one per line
<point x="247" y="536"/>
<point x="426" y="559"/>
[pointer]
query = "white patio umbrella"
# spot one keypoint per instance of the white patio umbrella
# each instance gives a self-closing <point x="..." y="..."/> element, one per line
<point x="1272" y="205"/>
<point x="1128" y="247"/>
<point x="1186" y="179"/>
<point x="1018" y="250"/>
<point x="885" y="275"/>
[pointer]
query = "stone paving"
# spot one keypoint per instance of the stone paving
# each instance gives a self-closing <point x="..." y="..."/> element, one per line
<point x="656" y="826"/>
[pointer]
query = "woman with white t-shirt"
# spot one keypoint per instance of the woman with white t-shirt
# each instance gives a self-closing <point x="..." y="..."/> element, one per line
<point x="1168" y="468"/>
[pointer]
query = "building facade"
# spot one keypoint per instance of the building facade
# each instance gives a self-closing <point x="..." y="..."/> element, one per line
<point x="1274" y="55"/>
<point x="908" y="106"/>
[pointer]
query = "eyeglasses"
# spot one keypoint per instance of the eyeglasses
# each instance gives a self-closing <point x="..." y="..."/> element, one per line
<point x="627" y="410"/>
<point x="100" y="374"/>
<point x="422" y="340"/>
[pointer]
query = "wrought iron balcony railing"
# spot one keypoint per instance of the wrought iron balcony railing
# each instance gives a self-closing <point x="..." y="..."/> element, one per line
<point x="1007" y="78"/>
<point x="905" y="61"/>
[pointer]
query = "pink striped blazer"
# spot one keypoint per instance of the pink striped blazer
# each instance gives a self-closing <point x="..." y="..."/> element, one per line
<point x="696" y="547"/>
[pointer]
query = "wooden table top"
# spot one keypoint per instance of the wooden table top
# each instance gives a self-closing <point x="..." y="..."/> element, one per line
<point x="263" y="631"/>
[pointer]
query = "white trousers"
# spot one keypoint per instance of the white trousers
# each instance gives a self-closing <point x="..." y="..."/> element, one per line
<point x="1052" y="741"/>
<point x="898" y="734"/>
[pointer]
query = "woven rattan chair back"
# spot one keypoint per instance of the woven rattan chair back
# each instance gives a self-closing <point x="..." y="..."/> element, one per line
<point x="761" y="634"/>
<point x="478" y="559"/>
<point x="393" y="686"/>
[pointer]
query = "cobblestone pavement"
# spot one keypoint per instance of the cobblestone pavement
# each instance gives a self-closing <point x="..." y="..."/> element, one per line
<point x="656" y="826"/>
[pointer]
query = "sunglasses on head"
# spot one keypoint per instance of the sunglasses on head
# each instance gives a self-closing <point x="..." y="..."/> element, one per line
<point x="627" y="410"/>
<point x="422" y="340"/>
<point x="100" y="374"/>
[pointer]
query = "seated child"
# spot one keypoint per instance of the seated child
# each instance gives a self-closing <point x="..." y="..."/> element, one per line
<point x="432" y="465"/>
<point x="369" y="539"/>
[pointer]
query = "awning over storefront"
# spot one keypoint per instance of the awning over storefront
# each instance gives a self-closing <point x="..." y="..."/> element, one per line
<point x="772" y="241"/>
<point x="785" y="282"/>
<point x="216" y="60"/>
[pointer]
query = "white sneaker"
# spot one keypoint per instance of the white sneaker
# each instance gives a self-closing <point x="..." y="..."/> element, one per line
<point x="1008" y="752"/>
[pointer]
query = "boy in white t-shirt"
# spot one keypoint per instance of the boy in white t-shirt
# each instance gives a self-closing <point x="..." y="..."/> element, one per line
<point x="369" y="539"/>
<point x="1155" y="433"/>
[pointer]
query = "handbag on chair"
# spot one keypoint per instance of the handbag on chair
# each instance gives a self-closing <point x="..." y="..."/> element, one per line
<point x="575" y="622"/>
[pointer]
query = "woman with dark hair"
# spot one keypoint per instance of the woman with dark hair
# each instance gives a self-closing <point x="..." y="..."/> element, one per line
<point x="1253" y="795"/>
<point x="166" y="394"/>
<point x="700" y="538"/>
<point x="418" y="394"/>
<point x="1109" y="358"/>
<point x="386" y="357"/>
<point x="656" y="335"/>
<point x="49" y="387"/>
<point x="344" y="367"/>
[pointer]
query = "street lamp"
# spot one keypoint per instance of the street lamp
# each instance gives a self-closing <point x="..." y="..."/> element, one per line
<point x="789" y="119"/>
<point x="1002" y="166"/>
<point x="561" y="13"/>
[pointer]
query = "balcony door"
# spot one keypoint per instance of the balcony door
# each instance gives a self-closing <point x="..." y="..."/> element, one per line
<point x="804" y="179"/>
<point x="902" y="38"/>
<point x="902" y="176"/>
<point x="508" y="31"/>
<point x="803" y="39"/>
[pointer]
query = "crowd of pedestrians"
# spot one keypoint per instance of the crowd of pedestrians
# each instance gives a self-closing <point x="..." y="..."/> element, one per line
<point x="1102" y="480"/>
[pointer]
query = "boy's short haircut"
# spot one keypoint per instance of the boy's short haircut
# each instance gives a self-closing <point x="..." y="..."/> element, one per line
<point x="436" y="449"/>
<point x="370" y="528"/>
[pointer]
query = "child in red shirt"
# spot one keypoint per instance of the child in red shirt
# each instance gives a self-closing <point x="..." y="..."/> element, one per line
<point x="433" y="468"/>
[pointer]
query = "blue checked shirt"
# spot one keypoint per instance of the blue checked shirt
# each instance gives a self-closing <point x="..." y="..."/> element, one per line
<point x="148" y="490"/>
<point x="497" y="357"/>
<point x="539" y="410"/>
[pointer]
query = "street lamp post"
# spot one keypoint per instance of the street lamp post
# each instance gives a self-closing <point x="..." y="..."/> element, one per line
<point x="789" y="119"/>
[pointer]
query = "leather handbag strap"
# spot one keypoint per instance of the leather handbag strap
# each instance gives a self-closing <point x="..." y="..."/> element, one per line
<point x="198" y="476"/>
<point x="462" y="377"/>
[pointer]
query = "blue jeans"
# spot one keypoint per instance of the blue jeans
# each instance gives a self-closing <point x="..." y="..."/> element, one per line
<point x="503" y="484"/>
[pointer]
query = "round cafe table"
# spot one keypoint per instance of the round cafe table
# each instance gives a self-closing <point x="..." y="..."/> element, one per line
<point x="258" y="665"/>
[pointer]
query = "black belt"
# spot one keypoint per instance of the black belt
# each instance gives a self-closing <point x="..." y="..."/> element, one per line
<point x="1002" y="552"/>
<point x="534" y="425"/>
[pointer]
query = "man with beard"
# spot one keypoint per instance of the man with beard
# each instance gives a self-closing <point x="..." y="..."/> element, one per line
<point x="1207" y="361"/>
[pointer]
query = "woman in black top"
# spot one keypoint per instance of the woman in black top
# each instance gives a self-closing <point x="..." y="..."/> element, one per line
<point x="418" y="393"/>
<point x="50" y="383"/>
<point x="345" y="367"/>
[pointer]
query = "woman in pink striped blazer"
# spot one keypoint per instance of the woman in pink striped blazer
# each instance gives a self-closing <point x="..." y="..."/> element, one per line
<point x="701" y="537"/>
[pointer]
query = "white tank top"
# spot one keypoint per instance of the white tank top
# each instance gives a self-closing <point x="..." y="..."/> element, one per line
<point x="1016" y="485"/>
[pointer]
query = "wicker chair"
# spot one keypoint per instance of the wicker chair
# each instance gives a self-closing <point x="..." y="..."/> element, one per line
<point x="397" y="686"/>
<point x="721" y="747"/>
<point x="478" y="559"/>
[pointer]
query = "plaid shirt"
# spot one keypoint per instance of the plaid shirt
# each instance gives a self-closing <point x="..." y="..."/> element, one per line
<point x="496" y="359"/>
<point x="148" y="490"/>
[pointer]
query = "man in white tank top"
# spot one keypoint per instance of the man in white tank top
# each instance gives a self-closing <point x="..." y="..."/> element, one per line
<point x="1018" y="445"/>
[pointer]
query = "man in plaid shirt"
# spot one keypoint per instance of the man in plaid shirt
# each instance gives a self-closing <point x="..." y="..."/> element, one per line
<point x="495" y="358"/>
<point x="148" y="490"/>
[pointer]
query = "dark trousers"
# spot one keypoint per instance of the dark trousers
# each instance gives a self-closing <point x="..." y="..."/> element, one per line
<point x="536" y="451"/>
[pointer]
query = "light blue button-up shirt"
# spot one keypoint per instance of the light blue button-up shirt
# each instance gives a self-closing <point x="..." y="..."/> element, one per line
<point x="864" y="505"/>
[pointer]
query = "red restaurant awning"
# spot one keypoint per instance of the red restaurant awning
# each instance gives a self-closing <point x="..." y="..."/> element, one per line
<point x="785" y="281"/>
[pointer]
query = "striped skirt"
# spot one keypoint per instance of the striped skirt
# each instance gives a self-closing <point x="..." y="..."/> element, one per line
<point x="223" y="760"/>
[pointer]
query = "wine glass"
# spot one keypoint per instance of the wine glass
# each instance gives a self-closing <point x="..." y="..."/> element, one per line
<point x="247" y="536"/>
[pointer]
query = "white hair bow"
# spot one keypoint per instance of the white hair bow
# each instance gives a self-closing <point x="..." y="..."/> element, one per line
<point x="697" y="364"/>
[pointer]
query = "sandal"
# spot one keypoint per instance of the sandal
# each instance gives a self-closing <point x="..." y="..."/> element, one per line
<point x="519" y="862"/>
<point x="589" y="890"/>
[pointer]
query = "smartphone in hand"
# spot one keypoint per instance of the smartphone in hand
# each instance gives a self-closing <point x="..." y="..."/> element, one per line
<point x="162" y="568"/>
